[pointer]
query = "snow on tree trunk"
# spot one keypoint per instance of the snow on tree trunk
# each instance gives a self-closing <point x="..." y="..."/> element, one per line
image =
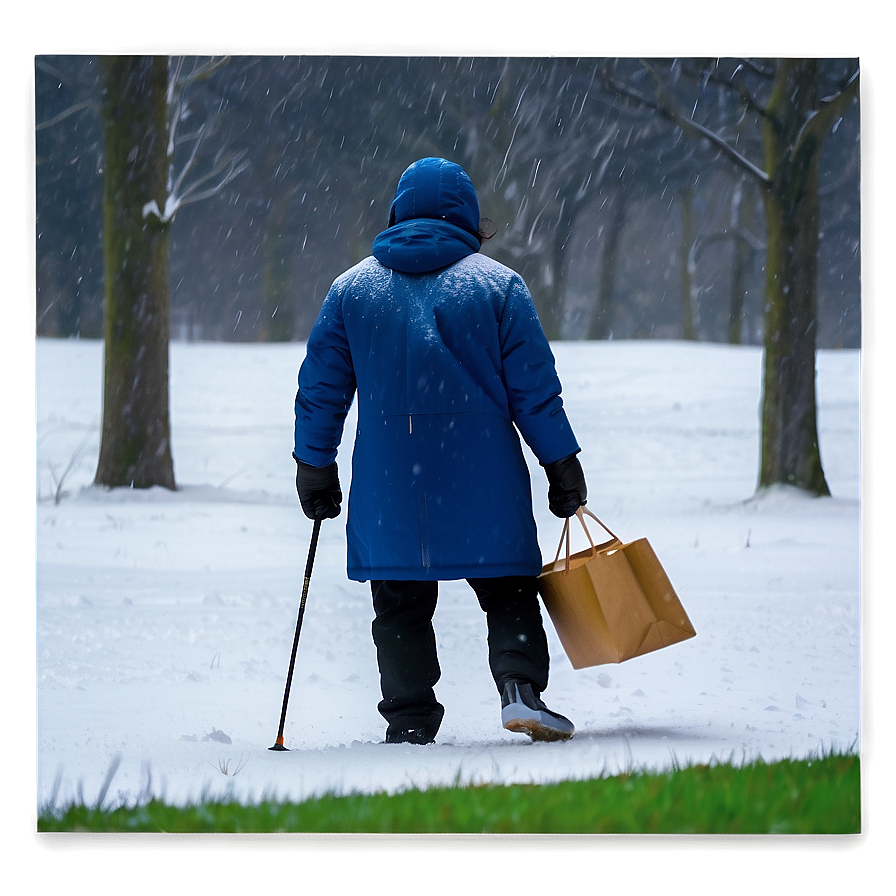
<point x="790" y="453"/>
<point x="135" y="449"/>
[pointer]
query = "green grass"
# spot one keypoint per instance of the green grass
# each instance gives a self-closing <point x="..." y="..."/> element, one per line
<point x="817" y="796"/>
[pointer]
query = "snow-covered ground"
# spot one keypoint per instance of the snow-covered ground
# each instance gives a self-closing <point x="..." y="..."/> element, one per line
<point x="165" y="620"/>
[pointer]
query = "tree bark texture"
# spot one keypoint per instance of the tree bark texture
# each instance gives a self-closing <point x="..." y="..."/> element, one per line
<point x="789" y="453"/>
<point x="135" y="449"/>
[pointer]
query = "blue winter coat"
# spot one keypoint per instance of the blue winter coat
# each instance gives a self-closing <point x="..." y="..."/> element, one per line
<point x="450" y="365"/>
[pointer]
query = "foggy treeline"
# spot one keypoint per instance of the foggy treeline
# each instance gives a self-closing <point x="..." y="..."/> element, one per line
<point x="623" y="226"/>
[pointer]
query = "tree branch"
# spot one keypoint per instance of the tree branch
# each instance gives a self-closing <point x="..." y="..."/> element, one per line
<point x="818" y="124"/>
<point x="78" y="107"/>
<point x="188" y="165"/>
<point x="231" y="166"/>
<point x="665" y="108"/>
<point x="200" y="72"/>
<point x="739" y="90"/>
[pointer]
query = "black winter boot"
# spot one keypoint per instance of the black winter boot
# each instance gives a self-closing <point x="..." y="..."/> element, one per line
<point x="409" y="736"/>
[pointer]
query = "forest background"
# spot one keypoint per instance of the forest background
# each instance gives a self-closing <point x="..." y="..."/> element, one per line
<point x="623" y="226"/>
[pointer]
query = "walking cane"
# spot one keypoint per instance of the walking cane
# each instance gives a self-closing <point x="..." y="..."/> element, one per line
<point x="278" y="745"/>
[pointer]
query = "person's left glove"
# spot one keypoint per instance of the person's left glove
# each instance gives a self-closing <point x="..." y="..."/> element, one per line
<point x="318" y="489"/>
<point x="567" y="491"/>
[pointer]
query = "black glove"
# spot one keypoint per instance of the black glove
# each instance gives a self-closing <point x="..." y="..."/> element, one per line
<point x="566" y="486"/>
<point x="318" y="490"/>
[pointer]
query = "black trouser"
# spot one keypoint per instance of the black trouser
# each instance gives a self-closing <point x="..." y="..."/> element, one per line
<point x="406" y="645"/>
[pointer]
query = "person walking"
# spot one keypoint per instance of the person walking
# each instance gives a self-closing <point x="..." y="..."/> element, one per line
<point x="444" y="349"/>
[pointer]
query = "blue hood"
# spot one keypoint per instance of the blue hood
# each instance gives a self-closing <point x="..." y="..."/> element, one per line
<point x="433" y="221"/>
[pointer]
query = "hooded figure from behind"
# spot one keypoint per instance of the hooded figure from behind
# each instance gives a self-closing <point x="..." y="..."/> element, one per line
<point x="444" y="350"/>
<point x="433" y="221"/>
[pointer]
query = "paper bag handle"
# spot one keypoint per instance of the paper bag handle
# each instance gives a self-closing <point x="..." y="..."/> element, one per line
<point x="564" y="536"/>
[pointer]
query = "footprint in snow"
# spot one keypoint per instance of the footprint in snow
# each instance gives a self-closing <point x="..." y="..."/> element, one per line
<point x="218" y="736"/>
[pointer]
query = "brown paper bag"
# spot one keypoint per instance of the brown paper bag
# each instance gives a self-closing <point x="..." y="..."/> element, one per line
<point x="611" y="602"/>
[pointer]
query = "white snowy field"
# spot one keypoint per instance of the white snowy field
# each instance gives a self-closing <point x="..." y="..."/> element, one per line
<point x="165" y="620"/>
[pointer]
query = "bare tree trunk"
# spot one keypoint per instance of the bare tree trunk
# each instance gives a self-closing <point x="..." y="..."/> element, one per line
<point x="742" y="253"/>
<point x="600" y="325"/>
<point x="688" y="304"/>
<point x="790" y="452"/>
<point x="135" y="450"/>
<point x="279" y="314"/>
